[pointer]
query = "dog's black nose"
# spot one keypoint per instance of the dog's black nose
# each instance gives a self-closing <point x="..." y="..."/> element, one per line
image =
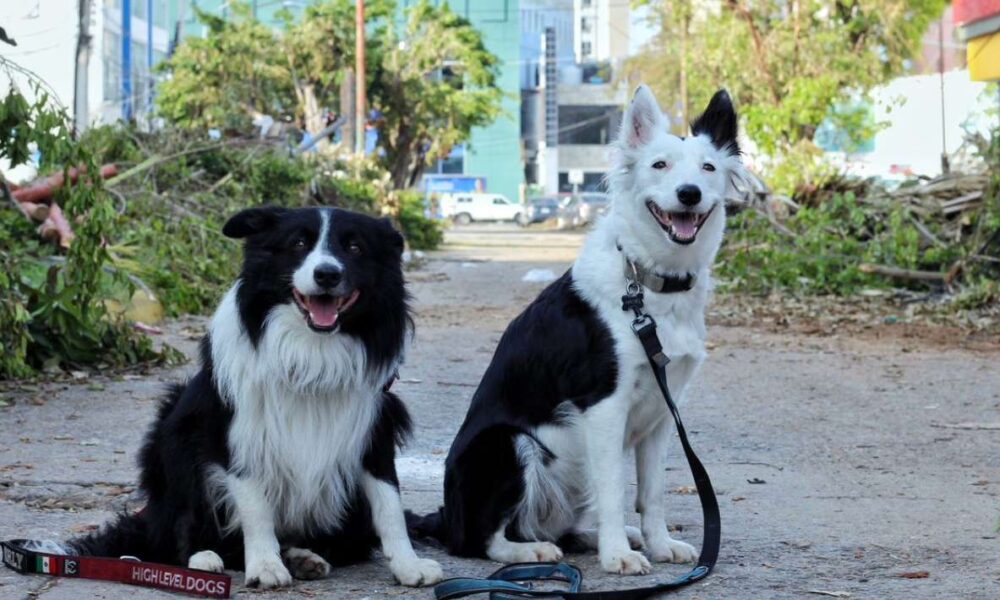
<point x="328" y="276"/>
<point x="688" y="194"/>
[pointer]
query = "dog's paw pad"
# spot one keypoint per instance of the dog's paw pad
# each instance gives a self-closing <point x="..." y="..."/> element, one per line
<point x="672" y="551"/>
<point x="206" y="560"/>
<point x="267" y="572"/>
<point x="305" y="564"/>
<point x="416" y="572"/>
<point x="635" y="539"/>
<point x="626" y="563"/>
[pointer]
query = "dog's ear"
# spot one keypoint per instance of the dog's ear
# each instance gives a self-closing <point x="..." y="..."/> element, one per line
<point x="718" y="122"/>
<point x="395" y="238"/>
<point x="252" y="220"/>
<point x="642" y="118"/>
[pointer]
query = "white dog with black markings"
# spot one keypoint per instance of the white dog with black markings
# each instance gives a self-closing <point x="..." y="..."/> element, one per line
<point x="538" y="462"/>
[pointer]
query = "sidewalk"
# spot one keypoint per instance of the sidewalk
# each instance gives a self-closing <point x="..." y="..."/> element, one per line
<point x="862" y="476"/>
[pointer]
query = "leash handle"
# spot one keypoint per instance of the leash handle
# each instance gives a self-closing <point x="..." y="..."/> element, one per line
<point x="134" y="572"/>
<point x="502" y="583"/>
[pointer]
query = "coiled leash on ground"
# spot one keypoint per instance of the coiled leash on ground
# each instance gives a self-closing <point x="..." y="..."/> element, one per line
<point x="514" y="581"/>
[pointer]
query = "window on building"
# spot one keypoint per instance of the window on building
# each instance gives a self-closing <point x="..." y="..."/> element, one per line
<point x="160" y="13"/>
<point x="139" y="9"/>
<point x="586" y="3"/>
<point x="454" y="164"/>
<point x="588" y="124"/>
<point x="140" y="77"/>
<point x="111" y="61"/>
<point x="585" y="25"/>
<point x="585" y="49"/>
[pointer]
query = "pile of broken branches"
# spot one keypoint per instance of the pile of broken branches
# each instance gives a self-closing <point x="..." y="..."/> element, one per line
<point x="955" y="218"/>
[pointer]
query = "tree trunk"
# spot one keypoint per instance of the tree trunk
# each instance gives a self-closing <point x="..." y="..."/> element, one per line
<point x="80" y="116"/>
<point x="313" y="113"/>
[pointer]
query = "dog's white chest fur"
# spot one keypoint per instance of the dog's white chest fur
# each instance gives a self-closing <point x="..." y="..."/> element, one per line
<point x="303" y="407"/>
<point x="680" y="326"/>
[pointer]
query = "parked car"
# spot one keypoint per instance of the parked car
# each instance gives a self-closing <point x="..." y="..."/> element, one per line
<point x="583" y="209"/>
<point x="542" y="209"/>
<point x="466" y="208"/>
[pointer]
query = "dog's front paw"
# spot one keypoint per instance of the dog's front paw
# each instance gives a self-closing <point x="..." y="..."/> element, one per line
<point x="415" y="572"/>
<point x="628" y="562"/>
<point x="206" y="560"/>
<point x="671" y="551"/>
<point x="305" y="564"/>
<point x="267" y="572"/>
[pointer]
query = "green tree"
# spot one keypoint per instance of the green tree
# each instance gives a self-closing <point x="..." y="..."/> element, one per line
<point x="234" y="73"/>
<point x="789" y="64"/>
<point x="434" y="81"/>
<point x="430" y="76"/>
<point x="320" y="49"/>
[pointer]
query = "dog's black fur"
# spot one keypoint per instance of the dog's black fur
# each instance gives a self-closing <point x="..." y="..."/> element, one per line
<point x="557" y="350"/>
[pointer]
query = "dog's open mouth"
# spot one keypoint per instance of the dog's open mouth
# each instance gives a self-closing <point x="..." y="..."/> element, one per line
<point x="682" y="227"/>
<point x="323" y="310"/>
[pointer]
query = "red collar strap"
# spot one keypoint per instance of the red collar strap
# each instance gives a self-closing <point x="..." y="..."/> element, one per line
<point x="130" y="571"/>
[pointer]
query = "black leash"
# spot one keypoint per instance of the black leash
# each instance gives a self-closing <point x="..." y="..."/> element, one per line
<point x="513" y="581"/>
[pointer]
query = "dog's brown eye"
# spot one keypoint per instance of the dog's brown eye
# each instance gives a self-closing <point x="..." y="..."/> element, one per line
<point x="708" y="167"/>
<point x="354" y="248"/>
<point x="299" y="243"/>
<point x="660" y="164"/>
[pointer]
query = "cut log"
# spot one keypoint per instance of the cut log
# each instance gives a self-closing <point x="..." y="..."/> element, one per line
<point x="56" y="228"/>
<point x="43" y="189"/>
<point x="35" y="212"/>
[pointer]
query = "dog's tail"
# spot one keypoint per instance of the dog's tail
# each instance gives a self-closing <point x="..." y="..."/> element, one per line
<point x="127" y="535"/>
<point x="429" y="526"/>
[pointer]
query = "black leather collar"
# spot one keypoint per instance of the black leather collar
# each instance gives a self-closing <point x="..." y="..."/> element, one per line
<point x="657" y="282"/>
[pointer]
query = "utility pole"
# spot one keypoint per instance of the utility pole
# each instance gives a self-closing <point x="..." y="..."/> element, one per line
<point x="945" y="166"/>
<point x="359" y="81"/>
<point x="80" y="95"/>
<point x="347" y="96"/>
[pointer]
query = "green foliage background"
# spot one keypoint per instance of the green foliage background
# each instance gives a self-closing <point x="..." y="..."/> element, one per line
<point x="52" y="309"/>
<point x="789" y="65"/>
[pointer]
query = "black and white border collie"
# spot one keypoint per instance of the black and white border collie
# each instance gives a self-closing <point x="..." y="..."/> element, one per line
<point x="278" y="456"/>
<point x="539" y="459"/>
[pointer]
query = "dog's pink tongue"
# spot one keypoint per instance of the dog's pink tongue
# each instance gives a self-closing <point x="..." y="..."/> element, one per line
<point x="323" y="311"/>
<point x="685" y="224"/>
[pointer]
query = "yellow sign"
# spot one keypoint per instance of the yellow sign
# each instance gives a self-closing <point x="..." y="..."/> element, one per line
<point x="984" y="57"/>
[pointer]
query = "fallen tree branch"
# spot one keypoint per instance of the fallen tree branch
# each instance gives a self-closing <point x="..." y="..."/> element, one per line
<point x="897" y="273"/>
<point x="154" y="160"/>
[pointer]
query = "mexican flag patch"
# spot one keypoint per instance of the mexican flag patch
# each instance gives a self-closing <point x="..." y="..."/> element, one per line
<point x="46" y="564"/>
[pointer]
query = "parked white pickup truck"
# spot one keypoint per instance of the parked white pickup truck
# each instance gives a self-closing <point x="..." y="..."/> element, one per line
<point x="466" y="208"/>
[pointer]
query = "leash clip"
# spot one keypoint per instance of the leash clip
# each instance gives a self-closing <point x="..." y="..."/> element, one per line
<point x="641" y="321"/>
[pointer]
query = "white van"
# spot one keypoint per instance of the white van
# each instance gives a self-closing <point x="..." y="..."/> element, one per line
<point x="466" y="208"/>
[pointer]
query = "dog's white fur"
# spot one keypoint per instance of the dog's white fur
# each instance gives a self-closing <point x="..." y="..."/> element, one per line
<point x="591" y="445"/>
<point x="303" y="407"/>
